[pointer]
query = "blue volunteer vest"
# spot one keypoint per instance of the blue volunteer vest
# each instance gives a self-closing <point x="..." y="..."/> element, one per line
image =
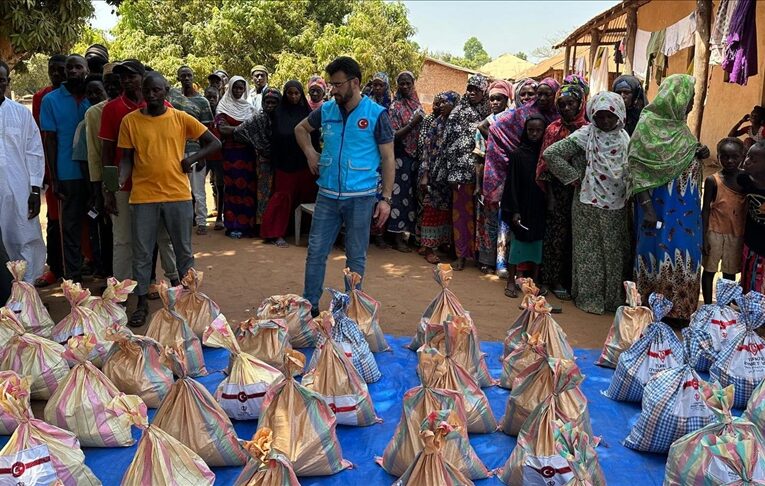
<point x="350" y="158"/>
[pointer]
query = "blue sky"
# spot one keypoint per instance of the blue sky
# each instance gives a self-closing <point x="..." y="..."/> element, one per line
<point x="502" y="26"/>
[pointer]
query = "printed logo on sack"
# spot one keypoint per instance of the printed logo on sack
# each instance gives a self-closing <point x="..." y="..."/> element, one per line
<point x="660" y="354"/>
<point x="691" y="383"/>
<point x="723" y="324"/>
<point x="751" y="348"/>
<point x="18" y="469"/>
<point x="363" y="123"/>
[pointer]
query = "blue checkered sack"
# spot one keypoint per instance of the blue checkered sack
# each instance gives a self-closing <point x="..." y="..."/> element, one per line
<point x="657" y="349"/>
<point x="742" y="361"/>
<point x="713" y="326"/>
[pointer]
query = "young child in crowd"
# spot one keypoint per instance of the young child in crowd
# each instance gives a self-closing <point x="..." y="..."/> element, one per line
<point x="754" y="132"/>
<point x="523" y="204"/>
<point x="723" y="216"/>
<point x="753" y="183"/>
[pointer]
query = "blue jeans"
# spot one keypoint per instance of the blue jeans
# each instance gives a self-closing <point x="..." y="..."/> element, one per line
<point x="329" y="215"/>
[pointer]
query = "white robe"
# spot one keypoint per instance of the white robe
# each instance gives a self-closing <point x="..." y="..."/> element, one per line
<point x="21" y="167"/>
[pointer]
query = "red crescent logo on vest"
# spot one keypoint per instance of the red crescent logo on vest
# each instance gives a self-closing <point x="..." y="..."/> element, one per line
<point x="363" y="123"/>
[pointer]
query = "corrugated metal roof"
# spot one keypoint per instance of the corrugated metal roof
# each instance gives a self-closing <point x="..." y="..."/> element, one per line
<point x="612" y="23"/>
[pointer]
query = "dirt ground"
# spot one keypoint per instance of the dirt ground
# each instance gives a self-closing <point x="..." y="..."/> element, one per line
<point x="239" y="274"/>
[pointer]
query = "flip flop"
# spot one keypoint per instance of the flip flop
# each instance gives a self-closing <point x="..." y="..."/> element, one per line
<point x="562" y="294"/>
<point x="280" y="243"/>
<point x="138" y="318"/>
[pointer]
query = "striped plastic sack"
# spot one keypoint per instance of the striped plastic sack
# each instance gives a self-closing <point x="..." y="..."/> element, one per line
<point x="197" y="308"/>
<point x="32" y="356"/>
<point x="241" y="392"/>
<point x="690" y="457"/>
<point x="529" y="352"/>
<point x="430" y="467"/>
<point x="629" y="323"/>
<point x="440" y="309"/>
<point x="418" y="403"/>
<point x="303" y="425"/>
<point x="657" y="349"/>
<point x="8" y="422"/>
<point x="464" y="347"/>
<point x="672" y="407"/>
<point x="82" y="320"/>
<point x="162" y="460"/>
<point x="519" y="327"/>
<point x="268" y="340"/>
<point x="742" y="361"/>
<point x="268" y="466"/>
<point x="26" y="302"/>
<point x="755" y="408"/>
<point x="28" y="466"/>
<point x="334" y="377"/>
<point x="365" y="311"/>
<point x="108" y="305"/>
<point x="450" y="375"/>
<point x="190" y="414"/>
<point x="551" y="379"/>
<point x="713" y="326"/>
<point x="346" y="333"/>
<point x="134" y="364"/>
<point x="578" y="449"/>
<point x="296" y="312"/>
<point x="65" y="454"/>
<point x="169" y="329"/>
<point x="548" y="331"/>
<point x="84" y="402"/>
<point x="736" y="463"/>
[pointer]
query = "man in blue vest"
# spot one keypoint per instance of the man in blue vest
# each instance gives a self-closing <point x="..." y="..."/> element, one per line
<point x="358" y="140"/>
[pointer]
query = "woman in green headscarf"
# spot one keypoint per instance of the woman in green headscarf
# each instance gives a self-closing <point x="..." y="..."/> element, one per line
<point x="665" y="171"/>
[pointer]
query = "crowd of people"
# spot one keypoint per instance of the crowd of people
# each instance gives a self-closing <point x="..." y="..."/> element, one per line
<point x="578" y="190"/>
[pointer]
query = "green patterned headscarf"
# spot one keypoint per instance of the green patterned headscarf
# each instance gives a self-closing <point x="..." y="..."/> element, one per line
<point x="663" y="146"/>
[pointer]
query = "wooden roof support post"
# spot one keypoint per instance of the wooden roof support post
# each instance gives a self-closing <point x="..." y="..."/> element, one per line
<point x="701" y="63"/>
<point x="594" y="44"/>
<point x="630" y="39"/>
<point x="567" y="62"/>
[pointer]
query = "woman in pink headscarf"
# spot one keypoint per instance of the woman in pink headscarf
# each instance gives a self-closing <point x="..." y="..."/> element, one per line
<point x="317" y="88"/>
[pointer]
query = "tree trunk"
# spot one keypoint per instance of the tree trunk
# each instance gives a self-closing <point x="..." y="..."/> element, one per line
<point x="701" y="63"/>
<point x="567" y="62"/>
<point x="8" y="53"/>
<point x="594" y="44"/>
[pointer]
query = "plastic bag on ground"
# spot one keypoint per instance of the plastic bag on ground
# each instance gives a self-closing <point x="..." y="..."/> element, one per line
<point x="517" y="328"/>
<point x="690" y="457"/>
<point x="735" y="462"/>
<point x="268" y="466"/>
<point x="267" y="339"/>
<point x="713" y="326"/>
<point x="672" y="407"/>
<point x="346" y="333"/>
<point x="82" y="320"/>
<point x="303" y="425"/>
<point x="33" y="356"/>
<point x="452" y="376"/>
<point x="578" y="449"/>
<point x="161" y="460"/>
<point x="241" y="393"/>
<point x="108" y="305"/>
<point x="526" y="354"/>
<point x="65" y="454"/>
<point x="336" y="379"/>
<point x="629" y="323"/>
<point x="296" y="312"/>
<point x="190" y="414"/>
<point x="551" y="379"/>
<point x="742" y="361"/>
<point x="464" y="347"/>
<point x="134" y="365"/>
<point x="197" y="308"/>
<point x="418" y="403"/>
<point x="430" y="467"/>
<point x="8" y="422"/>
<point x="169" y="329"/>
<point x="657" y="349"/>
<point x="29" y="466"/>
<point x="445" y="305"/>
<point x="365" y="311"/>
<point x="26" y="301"/>
<point x="548" y="330"/>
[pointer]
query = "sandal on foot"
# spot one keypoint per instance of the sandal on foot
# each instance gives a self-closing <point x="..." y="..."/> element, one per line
<point x="219" y="226"/>
<point x="487" y="270"/>
<point x="153" y="292"/>
<point x="280" y="243"/>
<point x="561" y="294"/>
<point x="47" y="278"/>
<point x="432" y="258"/>
<point x="459" y="265"/>
<point x="511" y="292"/>
<point x="201" y="230"/>
<point x="138" y="318"/>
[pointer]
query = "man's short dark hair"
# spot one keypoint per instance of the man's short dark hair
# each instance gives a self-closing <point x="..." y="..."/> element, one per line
<point x="732" y="141"/>
<point x="346" y="64"/>
<point x="184" y="67"/>
<point x="760" y="110"/>
<point x="56" y="58"/>
<point x="155" y="76"/>
<point x="7" y="69"/>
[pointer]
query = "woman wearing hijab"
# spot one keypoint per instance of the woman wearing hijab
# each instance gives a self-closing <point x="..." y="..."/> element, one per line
<point x="317" y="89"/>
<point x="436" y="227"/>
<point x="380" y="89"/>
<point x="459" y="161"/>
<point x="665" y="172"/>
<point x="525" y="91"/>
<point x="556" y="271"/>
<point x="631" y="90"/>
<point x="422" y="141"/>
<point x="239" y="172"/>
<point x="405" y="117"/>
<point x="594" y="160"/>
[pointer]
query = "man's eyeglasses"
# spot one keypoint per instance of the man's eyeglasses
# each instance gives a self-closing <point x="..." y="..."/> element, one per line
<point x="337" y="84"/>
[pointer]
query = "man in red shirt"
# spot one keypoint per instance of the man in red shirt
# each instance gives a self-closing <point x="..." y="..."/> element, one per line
<point x="55" y="257"/>
<point x="131" y="73"/>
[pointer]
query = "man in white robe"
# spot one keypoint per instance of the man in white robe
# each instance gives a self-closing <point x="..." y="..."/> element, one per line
<point x="21" y="175"/>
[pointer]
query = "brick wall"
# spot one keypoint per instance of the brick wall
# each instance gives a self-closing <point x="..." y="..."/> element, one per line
<point x="435" y="78"/>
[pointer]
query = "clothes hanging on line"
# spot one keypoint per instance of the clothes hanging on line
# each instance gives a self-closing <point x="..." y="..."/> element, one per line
<point x="680" y="35"/>
<point x="657" y="61"/>
<point x="718" y="38"/>
<point x="640" y="56"/>
<point x="740" y="58"/>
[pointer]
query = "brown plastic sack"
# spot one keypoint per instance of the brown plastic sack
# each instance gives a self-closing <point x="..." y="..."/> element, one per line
<point x="444" y="306"/>
<point x="629" y="323"/>
<point x="26" y="302"/>
<point x="80" y="321"/>
<point x="108" y="305"/>
<point x="268" y="466"/>
<point x="197" y="308"/>
<point x="296" y="312"/>
<point x="366" y="312"/>
<point x="266" y="339"/>
<point x="517" y="328"/>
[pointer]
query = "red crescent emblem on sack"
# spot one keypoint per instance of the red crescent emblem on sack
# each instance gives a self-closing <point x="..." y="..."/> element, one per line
<point x="18" y="469"/>
<point x="363" y="123"/>
<point x="547" y="471"/>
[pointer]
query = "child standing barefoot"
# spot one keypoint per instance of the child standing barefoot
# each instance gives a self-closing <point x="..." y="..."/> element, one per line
<point x="723" y="216"/>
<point x="523" y="204"/>
<point x="753" y="182"/>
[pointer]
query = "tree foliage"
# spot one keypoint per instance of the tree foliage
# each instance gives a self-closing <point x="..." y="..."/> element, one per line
<point x="31" y="75"/>
<point x="40" y="26"/>
<point x="521" y="55"/>
<point x="474" y="55"/>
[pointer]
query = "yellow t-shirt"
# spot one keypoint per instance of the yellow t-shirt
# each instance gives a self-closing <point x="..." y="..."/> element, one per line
<point x="159" y="142"/>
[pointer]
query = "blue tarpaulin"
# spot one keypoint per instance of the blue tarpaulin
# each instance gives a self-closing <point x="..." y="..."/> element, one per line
<point x="611" y="420"/>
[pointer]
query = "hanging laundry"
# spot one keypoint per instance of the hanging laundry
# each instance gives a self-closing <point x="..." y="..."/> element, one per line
<point x="619" y="52"/>
<point x="680" y="35"/>
<point x="717" y="40"/>
<point x="599" y="77"/>
<point x="640" y="56"/>
<point x="657" y="61"/>
<point x="581" y="66"/>
<point x="740" y="58"/>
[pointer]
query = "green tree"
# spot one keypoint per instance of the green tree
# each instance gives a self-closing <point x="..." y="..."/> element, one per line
<point x="31" y="75"/>
<point x="40" y="26"/>
<point x="521" y="55"/>
<point x="475" y="55"/>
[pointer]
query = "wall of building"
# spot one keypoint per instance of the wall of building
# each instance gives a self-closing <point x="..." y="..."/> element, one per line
<point x="435" y="78"/>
